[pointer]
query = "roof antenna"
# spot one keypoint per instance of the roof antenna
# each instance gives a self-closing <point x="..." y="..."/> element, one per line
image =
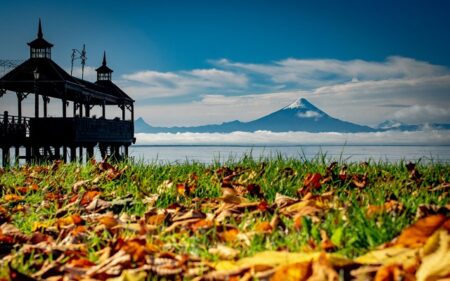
<point x="81" y="55"/>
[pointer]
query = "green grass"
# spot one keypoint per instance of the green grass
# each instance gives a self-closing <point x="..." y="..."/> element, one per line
<point x="347" y="224"/>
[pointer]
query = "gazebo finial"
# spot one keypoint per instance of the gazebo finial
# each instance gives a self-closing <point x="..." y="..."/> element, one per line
<point x="40" y="34"/>
<point x="104" y="58"/>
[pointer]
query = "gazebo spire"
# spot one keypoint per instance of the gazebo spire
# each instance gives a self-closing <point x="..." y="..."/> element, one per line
<point x="104" y="58"/>
<point x="40" y="35"/>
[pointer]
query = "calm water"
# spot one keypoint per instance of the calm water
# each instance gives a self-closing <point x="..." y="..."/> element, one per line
<point x="209" y="154"/>
<point x="348" y="153"/>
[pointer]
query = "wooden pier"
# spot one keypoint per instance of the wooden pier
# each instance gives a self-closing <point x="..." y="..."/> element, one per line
<point x="41" y="137"/>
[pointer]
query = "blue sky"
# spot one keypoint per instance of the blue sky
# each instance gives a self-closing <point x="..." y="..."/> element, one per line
<point x="198" y="62"/>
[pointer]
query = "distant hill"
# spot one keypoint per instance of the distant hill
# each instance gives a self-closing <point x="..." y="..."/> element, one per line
<point x="394" y="125"/>
<point x="298" y="116"/>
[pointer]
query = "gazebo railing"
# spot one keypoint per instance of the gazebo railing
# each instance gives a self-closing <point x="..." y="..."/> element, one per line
<point x="13" y="127"/>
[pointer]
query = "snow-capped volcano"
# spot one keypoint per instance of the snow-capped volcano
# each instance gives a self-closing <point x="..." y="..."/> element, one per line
<point x="301" y="115"/>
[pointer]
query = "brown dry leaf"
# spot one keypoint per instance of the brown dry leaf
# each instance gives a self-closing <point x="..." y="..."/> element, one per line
<point x="417" y="234"/>
<point x="79" y="184"/>
<point x="312" y="180"/>
<point x="359" y="181"/>
<point x="301" y="209"/>
<point x="293" y="272"/>
<point x="282" y="201"/>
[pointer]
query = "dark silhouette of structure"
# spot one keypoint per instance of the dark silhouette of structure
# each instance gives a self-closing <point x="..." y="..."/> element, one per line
<point x="47" y="138"/>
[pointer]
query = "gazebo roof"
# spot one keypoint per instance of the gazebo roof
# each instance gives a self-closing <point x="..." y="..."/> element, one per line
<point x="57" y="83"/>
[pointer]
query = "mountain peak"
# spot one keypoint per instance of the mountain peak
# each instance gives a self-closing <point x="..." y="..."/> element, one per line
<point x="301" y="103"/>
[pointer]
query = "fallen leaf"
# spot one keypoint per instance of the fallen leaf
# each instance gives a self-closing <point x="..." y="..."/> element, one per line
<point x="12" y="197"/>
<point x="436" y="264"/>
<point x="293" y="272"/>
<point x="224" y="252"/>
<point x="417" y="234"/>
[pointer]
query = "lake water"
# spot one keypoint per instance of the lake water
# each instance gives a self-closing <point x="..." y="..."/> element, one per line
<point x="348" y="153"/>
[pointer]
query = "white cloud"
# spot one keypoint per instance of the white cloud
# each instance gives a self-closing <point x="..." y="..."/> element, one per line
<point x="420" y="114"/>
<point x="309" y="114"/>
<point x="168" y="84"/>
<point x="297" y="138"/>
<point x="89" y="73"/>
<point x="312" y="73"/>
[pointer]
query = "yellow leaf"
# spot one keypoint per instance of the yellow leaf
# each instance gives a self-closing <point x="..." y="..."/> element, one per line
<point x="130" y="275"/>
<point x="437" y="263"/>
<point x="12" y="197"/>
<point x="390" y="255"/>
<point x="293" y="272"/>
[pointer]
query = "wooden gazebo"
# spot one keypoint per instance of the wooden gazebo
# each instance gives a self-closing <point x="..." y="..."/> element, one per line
<point x="47" y="138"/>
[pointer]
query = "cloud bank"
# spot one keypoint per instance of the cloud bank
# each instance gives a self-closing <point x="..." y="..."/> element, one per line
<point x="267" y="138"/>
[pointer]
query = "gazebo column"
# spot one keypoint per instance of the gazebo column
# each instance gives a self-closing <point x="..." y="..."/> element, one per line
<point x="45" y="100"/>
<point x="132" y="113"/>
<point x="122" y="106"/>
<point x="74" y="109"/>
<point x="36" y="105"/>
<point x="104" y="110"/>
<point x="64" y="113"/>
<point x="20" y="98"/>
<point x="87" y="109"/>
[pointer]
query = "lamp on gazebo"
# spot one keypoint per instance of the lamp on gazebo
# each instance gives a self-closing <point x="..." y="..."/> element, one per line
<point x="36" y="74"/>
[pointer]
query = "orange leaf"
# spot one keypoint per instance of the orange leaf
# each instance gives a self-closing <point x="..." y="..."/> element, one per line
<point x="88" y="197"/>
<point x="157" y="219"/>
<point x="417" y="234"/>
<point x="293" y="272"/>
<point x="202" y="224"/>
<point x="81" y="262"/>
<point x="12" y="197"/>
<point x="264" y="227"/>
<point x="229" y="235"/>
<point x="72" y="219"/>
<point x="393" y="272"/>
<point x="108" y="220"/>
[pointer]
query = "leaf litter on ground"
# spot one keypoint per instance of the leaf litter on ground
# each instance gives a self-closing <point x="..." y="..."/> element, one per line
<point x="271" y="220"/>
